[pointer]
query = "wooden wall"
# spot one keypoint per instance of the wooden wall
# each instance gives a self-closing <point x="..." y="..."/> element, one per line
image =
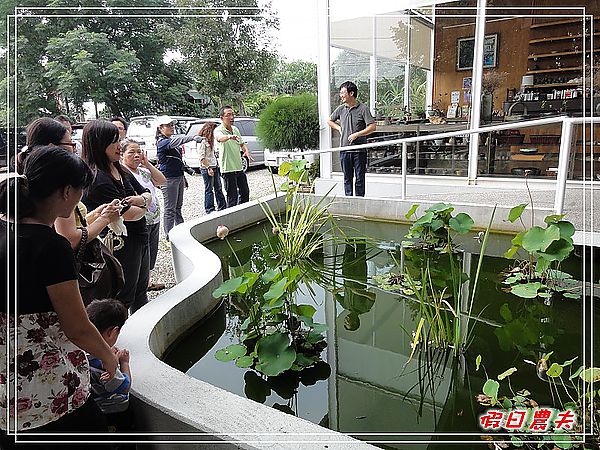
<point x="513" y="42"/>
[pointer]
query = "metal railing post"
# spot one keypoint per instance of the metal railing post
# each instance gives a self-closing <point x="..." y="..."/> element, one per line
<point x="404" y="168"/>
<point x="563" y="165"/>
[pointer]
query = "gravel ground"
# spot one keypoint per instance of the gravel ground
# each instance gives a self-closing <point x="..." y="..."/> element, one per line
<point x="259" y="181"/>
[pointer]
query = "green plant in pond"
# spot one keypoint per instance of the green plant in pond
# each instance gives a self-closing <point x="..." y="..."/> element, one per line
<point x="434" y="229"/>
<point x="444" y="299"/>
<point x="278" y="334"/>
<point x="572" y="391"/>
<point x="537" y="272"/>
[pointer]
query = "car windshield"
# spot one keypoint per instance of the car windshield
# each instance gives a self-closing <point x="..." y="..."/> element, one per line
<point x="140" y="129"/>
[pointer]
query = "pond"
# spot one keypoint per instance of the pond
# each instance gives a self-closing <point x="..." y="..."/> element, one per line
<point x="371" y="385"/>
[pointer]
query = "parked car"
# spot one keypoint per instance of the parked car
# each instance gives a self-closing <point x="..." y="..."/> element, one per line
<point x="247" y="127"/>
<point x="273" y="159"/>
<point x="6" y="153"/>
<point x="143" y="130"/>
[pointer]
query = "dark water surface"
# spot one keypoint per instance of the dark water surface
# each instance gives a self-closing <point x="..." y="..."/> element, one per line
<point x="374" y="385"/>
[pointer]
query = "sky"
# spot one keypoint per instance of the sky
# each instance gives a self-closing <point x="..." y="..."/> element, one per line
<point x="298" y="23"/>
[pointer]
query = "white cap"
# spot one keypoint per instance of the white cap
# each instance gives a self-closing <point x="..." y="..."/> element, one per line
<point x="165" y="120"/>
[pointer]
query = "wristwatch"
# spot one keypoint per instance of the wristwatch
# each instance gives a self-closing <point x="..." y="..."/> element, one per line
<point x="145" y="205"/>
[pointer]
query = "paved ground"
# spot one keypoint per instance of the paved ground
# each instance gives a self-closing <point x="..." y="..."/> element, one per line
<point x="260" y="183"/>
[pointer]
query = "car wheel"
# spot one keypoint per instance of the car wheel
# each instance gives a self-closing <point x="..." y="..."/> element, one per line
<point x="245" y="164"/>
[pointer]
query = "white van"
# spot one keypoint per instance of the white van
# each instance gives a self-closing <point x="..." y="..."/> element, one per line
<point x="143" y="130"/>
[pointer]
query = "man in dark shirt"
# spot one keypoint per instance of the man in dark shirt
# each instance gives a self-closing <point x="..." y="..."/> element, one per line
<point x="355" y="123"/>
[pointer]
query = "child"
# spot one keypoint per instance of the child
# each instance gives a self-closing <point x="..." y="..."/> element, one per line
<point x="111" y="396"/>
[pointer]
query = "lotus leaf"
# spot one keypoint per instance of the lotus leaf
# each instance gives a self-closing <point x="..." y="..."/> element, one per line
<point x="558" y="250"/>
<point x="436" y="224"/>
<point x="274" y="354"/>
<point x="274" y="304"/>
<point x="285" y="186"/>
<point x="591" y="374"/>
<point x="270" y="275"/>
<point x="276" y="290"/>
<point x="462" y="223"/>
<point x="516" y="212"/>
<point x="539" y="239"/>
<point x="567" y="229"/>
<point x="228" y="287"/>
<point x="554" y="218"/>
<point x="441" y="208"/>
<point x="477" y="363"/>
<point x="507" y="373"/>
<point x="285" y="385"/>
<point x="576" y="373"/>
<point x="316" y="327"/>
<point x="304" y="310"/>
<point x="313" y="337"/>
<point x="562" y="440"/>
<point x="255" y="387"/>
<point x="412" y="210"/>
<point x="571" y="295"/>
<point x="569" y="362"/>
<point x="244" y="361"/>
<point x="511" y="252"/>
<point x="490" y="388"/>
<point x="284" y="168"/>
<point x="424" y="219"/>
<point x="542" y="263"/>
<point x="305" y="361"/>
<point x="230" y="352"/>
<point x="555" y="370"/>
<point x="527" y="290"/>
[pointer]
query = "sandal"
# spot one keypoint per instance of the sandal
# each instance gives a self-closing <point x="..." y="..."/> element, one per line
<point x="156" y="286"/>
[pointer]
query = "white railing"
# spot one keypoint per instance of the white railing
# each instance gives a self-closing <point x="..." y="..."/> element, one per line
<point x="563" y="160"/>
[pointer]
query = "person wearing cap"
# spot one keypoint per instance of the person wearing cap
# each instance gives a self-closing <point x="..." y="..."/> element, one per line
<point x="229" y="143"/>
<point x="170" y="163"/>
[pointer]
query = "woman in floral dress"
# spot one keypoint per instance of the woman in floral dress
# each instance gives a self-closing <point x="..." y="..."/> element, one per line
<point x="51" y="371"/>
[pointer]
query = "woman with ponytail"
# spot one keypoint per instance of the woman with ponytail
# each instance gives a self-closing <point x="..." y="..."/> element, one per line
<point x="52" y="327"/>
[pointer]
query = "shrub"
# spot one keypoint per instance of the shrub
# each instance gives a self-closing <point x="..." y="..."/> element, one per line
<point x="290" y="123"/>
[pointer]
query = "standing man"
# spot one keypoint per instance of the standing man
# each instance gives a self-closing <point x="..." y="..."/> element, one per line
<point x="121" y="124"/>
<point x="229" y="143"/>
<point x="355" y="123"/>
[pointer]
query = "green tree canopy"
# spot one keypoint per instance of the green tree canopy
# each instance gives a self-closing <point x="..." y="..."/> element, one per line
<point x="297" y="77"/>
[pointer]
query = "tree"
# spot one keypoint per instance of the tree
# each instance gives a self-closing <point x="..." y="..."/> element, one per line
<point x="228" y="54"/>
<point x="141" y="82"/>
<point x="297" y="77"/>
<point x="84" y="65"/>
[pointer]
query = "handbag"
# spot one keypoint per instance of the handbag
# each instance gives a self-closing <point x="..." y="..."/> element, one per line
<point x="100" y="274"/>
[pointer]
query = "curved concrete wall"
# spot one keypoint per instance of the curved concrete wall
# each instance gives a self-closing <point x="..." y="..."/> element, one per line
<point x="179" y="408"/>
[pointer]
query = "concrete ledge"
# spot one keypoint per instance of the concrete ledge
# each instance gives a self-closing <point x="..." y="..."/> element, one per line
<point x="169" y="402"/>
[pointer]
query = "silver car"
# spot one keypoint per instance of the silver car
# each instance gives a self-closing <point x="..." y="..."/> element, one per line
<point x="143" y="130"/>
<point x="247" y="127"/>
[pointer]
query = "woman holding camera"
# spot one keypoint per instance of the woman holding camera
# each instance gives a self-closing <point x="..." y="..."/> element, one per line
<point x="102" y="152"/>
<point x="170" y="163"/>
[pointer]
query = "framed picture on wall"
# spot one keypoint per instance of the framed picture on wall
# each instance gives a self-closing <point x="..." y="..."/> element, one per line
<point x="466" y="46"/>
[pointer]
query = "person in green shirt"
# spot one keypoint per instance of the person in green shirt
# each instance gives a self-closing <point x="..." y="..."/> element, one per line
<point x="229" y="145"/>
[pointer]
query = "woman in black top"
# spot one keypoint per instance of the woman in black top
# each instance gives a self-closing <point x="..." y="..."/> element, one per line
<point x="102" y="152"/>
<point x="53" y="328"/>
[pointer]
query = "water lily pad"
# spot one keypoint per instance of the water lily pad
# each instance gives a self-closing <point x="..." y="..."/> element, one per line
<point x="316" y="327"/>
<point x="527" y="290"/>
<point x="436" y="224"/>
<point x="462" y="223"/>
<point x="490" y="388"/>
<point x="244" y="362"/>
<point x="284" y="168"/>
<point x="516" y="212"/>
<point x="230" y="352"/>
<point x="320" y="371"/>
<point x="274" y="354"/>
<point x="511" y="252"/>
<point x="553" y="218"/>
<point x="424" y="219"/>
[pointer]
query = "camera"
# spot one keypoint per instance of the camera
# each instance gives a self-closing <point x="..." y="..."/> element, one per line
<point x="188" y="170"/>
<point x="125" y="205"/>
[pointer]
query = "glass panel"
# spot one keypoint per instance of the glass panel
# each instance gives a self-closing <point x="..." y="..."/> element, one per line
<point x="585" y="158"/>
